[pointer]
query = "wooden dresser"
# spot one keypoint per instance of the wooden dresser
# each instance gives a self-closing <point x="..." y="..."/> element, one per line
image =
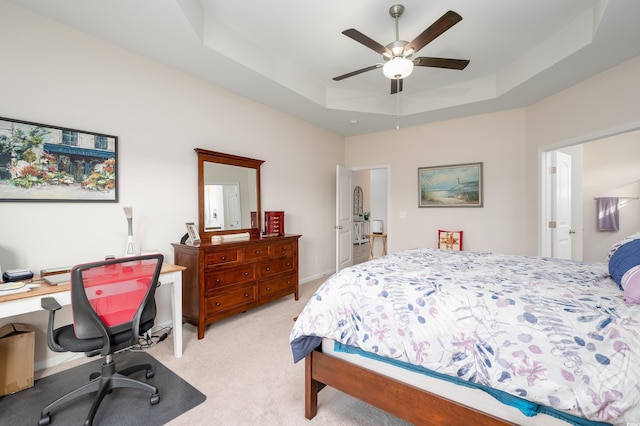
<point x="231" y="277"/>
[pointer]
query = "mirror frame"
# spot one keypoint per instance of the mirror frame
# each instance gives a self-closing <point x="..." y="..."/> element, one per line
<point x="206" y="156"/>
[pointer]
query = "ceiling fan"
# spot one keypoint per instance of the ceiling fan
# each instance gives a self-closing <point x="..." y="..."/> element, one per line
<point x="397" y="55"/>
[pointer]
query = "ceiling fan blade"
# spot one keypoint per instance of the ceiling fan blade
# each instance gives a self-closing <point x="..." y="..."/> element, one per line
<point x="360" y="71"/>
<point x="454" y="64"/>
<point x="370" y="43"/>
<point x="396" y="85"/>
<point x="445" y="22"/>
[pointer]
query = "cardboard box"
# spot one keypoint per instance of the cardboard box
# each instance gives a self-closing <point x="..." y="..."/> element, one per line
<point x="17" y="353"/>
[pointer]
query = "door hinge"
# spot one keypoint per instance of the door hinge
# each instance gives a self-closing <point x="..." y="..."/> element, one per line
<point x="553" y="170"/>
<point x="552" y="224"/>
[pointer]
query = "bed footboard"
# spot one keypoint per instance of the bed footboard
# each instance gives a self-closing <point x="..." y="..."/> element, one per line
<point x="405" y="401"/>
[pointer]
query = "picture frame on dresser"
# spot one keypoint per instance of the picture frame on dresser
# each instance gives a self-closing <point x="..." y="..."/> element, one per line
<point x="193" y="238"/>
<point x="42" y="162"/>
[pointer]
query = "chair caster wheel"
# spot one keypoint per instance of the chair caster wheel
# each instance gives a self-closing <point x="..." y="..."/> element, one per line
<point x="44" y="420"/>
<point x="155" y="399"/>
<point x="150" y="374"/>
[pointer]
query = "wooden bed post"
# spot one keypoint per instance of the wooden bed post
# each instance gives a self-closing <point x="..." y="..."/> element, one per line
<point x="311" y="389"/>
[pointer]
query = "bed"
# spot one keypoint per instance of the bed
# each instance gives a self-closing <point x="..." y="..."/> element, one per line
<point x="545" y="340"/>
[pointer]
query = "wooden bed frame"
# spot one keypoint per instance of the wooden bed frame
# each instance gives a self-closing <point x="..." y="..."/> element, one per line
<point x="405" y="401"/>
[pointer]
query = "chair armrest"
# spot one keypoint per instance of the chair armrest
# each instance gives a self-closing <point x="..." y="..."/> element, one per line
<point x="50" y="304"/>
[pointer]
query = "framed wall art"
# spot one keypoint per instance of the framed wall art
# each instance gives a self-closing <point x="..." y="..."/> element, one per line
<point x="456" y="185"/>
<point x="40" y="162"/>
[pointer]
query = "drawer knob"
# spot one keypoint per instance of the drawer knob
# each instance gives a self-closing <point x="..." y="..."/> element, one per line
<point x="217" y="280"/>
<point x="246" y="295"/>
<point x="223" y="257"/>
<point x="268" y="288"/>
<point x="267" y="268"/>
<point x="246" y="274"/>
<point x="257" y="251"/>
<point x="217" y="303"/>
<point x="284" y="249"/>
<point x="288" y="264"/>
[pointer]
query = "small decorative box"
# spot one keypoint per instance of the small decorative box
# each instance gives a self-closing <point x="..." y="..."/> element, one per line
<point x="274" y="223"/>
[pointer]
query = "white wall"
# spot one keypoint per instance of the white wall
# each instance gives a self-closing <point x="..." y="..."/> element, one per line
<point x="379" y="196"/>
<point x="601" y="106"/>
<point x="612" y="169"/>
<point x="509" y="144"/>
<point x="497" y="140"/>
<point x="55" y="75"/>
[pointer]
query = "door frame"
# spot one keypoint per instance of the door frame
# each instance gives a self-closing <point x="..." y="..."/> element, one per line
<point x="543" y="193"/>
<point x="388" y="224"/>
<point x="342" y="234"/>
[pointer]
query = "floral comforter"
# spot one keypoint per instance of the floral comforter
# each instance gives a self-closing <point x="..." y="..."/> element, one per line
<point x="554" y="332"/>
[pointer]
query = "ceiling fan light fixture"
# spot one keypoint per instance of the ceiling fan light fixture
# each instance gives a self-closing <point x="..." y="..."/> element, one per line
<point x="397" y="68"/>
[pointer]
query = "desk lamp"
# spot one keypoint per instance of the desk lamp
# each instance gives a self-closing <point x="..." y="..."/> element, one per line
<point x="130" y="250"/>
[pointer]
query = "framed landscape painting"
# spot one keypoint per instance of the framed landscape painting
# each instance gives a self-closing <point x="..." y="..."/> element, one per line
<point x="40" y="162"/>
<point x="457" y="185"/>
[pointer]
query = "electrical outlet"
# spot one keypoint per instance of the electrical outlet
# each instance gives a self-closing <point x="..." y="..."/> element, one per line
<point x="403" y="215"/>
<point x="316" y="260"/>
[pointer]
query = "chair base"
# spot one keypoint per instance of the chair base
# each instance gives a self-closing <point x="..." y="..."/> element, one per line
<point x="103" y="384"/>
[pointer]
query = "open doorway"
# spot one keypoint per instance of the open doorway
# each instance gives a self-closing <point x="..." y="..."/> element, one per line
<point x="606" y="166"/>
<point x="373" y="183"/>
<point x="373" y="197"/>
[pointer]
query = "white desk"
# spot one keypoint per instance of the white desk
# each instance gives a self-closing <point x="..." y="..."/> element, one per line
<point x="23" y="303"/>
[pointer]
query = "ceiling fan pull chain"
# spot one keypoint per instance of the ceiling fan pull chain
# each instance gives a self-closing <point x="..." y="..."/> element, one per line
<point x="398" y="111"/>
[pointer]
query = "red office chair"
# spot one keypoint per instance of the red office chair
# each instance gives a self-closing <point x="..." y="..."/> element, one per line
<point x="112" y="303"/>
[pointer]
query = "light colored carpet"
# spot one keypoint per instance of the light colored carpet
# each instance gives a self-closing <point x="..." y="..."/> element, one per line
<point x="245" y="368"/>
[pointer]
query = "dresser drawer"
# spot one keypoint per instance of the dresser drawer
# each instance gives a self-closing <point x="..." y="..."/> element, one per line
<point x="269" y="268"/>
<point x="221" y="257"/>
<point x="231" y="299"/>
<point x="281" y="249"/>
<point x="227" y="276"/>
<point x="276" y="287"/>
<point x="256" y="252"/>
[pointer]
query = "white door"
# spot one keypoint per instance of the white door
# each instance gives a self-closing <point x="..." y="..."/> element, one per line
<point x="561" y="205"/>
<point x="344" y="218"/>
<point x="232" y="216"/>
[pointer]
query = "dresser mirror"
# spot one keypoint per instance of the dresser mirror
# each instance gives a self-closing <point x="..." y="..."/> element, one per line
<point x="228" y="194"/>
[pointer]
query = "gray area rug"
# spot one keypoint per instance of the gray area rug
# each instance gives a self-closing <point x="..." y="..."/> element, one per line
<point x="121" y="407"/>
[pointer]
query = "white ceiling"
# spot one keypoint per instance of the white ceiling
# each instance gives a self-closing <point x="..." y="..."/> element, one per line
<point x="284" y="53"/>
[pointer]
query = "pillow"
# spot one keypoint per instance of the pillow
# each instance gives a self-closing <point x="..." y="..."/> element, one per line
<point x="624" y="257"/>
<point x="623" y="241"/>
<point x="631" y="285"/>
<point x="450" y="240"/>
